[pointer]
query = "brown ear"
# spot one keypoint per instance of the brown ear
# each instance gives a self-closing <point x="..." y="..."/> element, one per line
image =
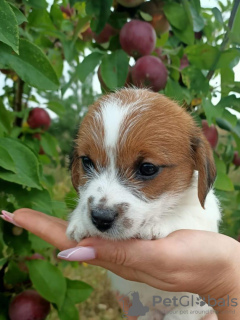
<point x="74" y="167"/>
<point x="204" y="163"/>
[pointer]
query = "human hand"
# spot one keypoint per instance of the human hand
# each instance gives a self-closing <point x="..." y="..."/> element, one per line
<point x="194" y="261"/>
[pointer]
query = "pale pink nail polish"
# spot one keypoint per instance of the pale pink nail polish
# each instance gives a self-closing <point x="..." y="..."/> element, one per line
<point x="7" y="216"/>
<point x="78" y="254"/>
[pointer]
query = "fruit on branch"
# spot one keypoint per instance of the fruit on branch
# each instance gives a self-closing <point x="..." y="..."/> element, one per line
<point x="210" y="133"/>
<point x="159" y="20"/>
<point x="87" y="35"/>
<point x="105" y="35"/>
<point x="151" y="72"/>
<point x="138" y="38"/>
<point x="29" y="305"/>
<point x="17" y="231"/>
<point x="39" y="118"/>
<point x="67" y="10"/>
<point x="198" y="35"/>
<point x="184" y="62"/>
<point x="103" y="84"/>
<point x="236" y="159"/>
<point x="130" y="3"/>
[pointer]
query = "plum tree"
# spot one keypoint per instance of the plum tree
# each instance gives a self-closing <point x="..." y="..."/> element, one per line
<point x="151" y="72"/>
<point x="210" y="133"/>
<point x="236" y="159"/>
<point x="39" y="118"/>
<point x="29" y="305"/>
<point x="159" y="20"/>
<point x="138" y="38"/>
<point x="105" y="35"/>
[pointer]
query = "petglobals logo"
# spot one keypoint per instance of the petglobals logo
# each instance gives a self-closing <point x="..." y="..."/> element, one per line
<point x="192" y="300"/>
<point x="133" y="306"/>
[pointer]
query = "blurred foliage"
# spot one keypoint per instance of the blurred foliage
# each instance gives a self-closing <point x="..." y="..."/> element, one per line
<point x="49" y="57"/>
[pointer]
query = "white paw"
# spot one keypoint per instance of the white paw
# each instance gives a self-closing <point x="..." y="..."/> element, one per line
<point x="75" y="232"/>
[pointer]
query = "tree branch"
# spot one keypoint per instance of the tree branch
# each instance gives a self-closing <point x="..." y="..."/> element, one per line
<point x="18" y="100"/>
<point x="225" y="39"/>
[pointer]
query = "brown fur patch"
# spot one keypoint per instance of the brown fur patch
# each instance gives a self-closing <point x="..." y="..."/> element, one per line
<point x="127" y="223"/>
<point x="160" y="132"/>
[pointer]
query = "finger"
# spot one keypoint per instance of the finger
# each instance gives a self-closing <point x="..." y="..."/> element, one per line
<point x="134" y="253"/>
<point x="48" y="228"/>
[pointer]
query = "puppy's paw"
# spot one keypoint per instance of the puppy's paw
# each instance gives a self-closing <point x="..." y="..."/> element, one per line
<point x="74" y="232"/>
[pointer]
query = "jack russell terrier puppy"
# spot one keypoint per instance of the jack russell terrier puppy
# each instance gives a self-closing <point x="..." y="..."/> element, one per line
<point x="143" y="169"/>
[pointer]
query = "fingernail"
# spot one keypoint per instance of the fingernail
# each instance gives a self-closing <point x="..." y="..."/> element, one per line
<point x="78" y="254"/>
<point x="7" y="216"/>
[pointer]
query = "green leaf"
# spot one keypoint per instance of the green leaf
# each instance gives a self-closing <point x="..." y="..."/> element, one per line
<point x="220" y="164"/>
<point x="14" y="275"/>
<point x="57" y="107"/>
<point x="211" y="111"/>
<point x="49" y="144"/>
<point x="55" y="58"/>
<point x="36" y="4"/>
<point x="227" y="76"/>
<point x="39" y="200"/>
<point x="48" y="281"/>
<point x="145" y="16"/>
<point x="6" y="118"/>
<point x="114" y="69"/>
<point x="20" y="244"/>
<point x="202" y="56"/>
<point x="179" y="17"/>
<point x="56" y="15"/>
<point x="25" y="161"/>
<point x="235" y="34"/>
<point x="231" y="118"/>
<point x="19" y="15"/>
<point x="101" y="11"/>
<point x="218" y="15"/>
<point x="228" y="58"/>
<point x="31" y="65"/>
<point x="6" y="160"/>
<point x="195" y="80"/>
<point x="37" y="243"/>
<point x="8" y="26"/>
<point x="223" y="182"/>
<point x="88" y="65"/>
<point x="2" y="262"/>
<point x="68" y="310"/>
<point x="40" y="20"/>
<point x="78" y="291"/>
<point x="198" y="21"/>
<point x="230" y="101"/>
<point x="175" y="91"/>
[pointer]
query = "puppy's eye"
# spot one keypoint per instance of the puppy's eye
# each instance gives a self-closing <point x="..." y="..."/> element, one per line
<point x="148" y="169"/>
<point x="87" y="163"/>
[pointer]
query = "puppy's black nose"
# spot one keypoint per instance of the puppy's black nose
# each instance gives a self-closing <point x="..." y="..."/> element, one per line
<point x="103" y="218"/>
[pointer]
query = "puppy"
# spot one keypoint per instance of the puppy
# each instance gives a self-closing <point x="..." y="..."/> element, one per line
<point x="143" y="169"/>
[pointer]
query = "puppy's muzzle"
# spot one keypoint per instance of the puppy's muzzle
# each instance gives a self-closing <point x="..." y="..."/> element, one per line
<point x="103" y="219"/>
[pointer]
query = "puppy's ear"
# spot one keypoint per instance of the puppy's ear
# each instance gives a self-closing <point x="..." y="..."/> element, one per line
<point x="204" y="163"/>
<point x="74" y="167"/>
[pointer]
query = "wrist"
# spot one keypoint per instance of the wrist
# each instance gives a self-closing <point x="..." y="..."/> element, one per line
<point x="223" y="293"/>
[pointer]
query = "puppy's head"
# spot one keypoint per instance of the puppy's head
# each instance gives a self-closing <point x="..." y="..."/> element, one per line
<point x="135" y="155"/>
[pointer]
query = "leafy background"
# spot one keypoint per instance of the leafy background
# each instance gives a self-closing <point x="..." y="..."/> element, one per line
<point x="50" y="57"/>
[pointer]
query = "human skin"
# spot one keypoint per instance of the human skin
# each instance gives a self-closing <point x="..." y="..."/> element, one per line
<point x="200" y="262"/>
